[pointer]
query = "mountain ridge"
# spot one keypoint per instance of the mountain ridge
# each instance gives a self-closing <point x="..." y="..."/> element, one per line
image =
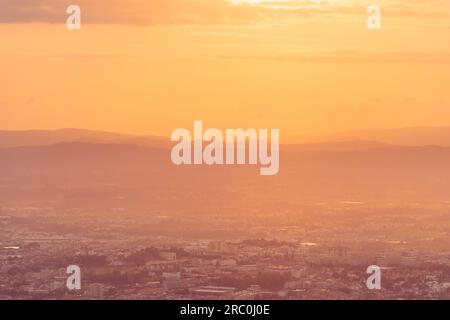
<point x="408" y="136"/>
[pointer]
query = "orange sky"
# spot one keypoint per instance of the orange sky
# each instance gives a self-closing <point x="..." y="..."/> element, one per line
<point x="151" y="66"/>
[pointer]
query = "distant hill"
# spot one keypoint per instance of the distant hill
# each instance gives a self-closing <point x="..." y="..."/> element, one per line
<point x="46" y="137"/>
<point x="334" y="146"/>
<point x="414" y="136"/>
<point x="341" y="141"/>
<point x="75" y="174"/>
<point x="100" y="170"/>
<point x="31" y="138"/>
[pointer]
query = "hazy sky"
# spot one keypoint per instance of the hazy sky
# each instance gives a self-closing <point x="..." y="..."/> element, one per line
<point x="150" y="66"/>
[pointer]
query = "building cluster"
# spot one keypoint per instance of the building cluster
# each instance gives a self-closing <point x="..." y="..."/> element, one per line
<point x="308" y="259"/>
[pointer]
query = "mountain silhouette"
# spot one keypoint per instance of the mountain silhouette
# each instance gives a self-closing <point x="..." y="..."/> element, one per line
<point x="413" y="136"/>
<point x="45" y="137"/>
<point x="94" y="174"/>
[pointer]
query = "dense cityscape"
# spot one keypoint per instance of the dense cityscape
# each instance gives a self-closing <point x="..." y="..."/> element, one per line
<point x="206" y="151"/>
<point x="310" y="257"/>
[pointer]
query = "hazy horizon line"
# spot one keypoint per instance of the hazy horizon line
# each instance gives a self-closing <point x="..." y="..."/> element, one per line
<point x="241" y="127"/>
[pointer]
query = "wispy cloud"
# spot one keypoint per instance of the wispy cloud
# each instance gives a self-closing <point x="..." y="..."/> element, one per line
<point x="348" y="56"/>
<point x="154" y="12"/>
<point x="138" y="12"/>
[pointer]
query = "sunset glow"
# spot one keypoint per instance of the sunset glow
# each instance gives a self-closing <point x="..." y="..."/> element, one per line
<point x="310" y="70"/>
<point x="209" y="152"/>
